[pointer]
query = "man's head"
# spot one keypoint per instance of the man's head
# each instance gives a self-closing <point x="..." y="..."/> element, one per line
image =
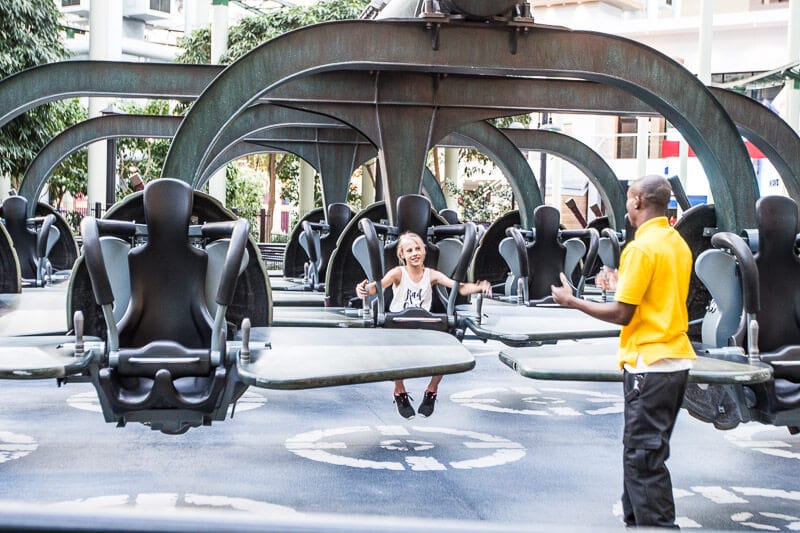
<point x="648" y="197"/>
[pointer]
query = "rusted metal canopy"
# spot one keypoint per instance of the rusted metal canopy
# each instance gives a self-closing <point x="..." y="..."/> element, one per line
<point x="542" y="51"/>
<point x="81" y="78"/>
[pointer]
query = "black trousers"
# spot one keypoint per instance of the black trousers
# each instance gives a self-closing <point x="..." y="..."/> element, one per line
<point x="652" y="402"/>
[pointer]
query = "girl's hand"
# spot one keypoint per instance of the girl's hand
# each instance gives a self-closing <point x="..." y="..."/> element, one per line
<point x="361" y="289"/>
<point x="485" y="287"/>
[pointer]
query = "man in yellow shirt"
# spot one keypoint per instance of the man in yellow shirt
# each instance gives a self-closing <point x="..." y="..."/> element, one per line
<point x="651" y="290"/>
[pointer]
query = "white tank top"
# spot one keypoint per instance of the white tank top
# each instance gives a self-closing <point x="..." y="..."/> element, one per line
<point x="410" y="294"/>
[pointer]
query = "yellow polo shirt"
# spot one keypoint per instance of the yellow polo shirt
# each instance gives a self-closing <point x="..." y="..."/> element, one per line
<point x="654" y="274"/>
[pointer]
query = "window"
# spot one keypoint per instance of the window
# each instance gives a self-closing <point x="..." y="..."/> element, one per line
<point x="70" y="3"/>
<point x="161" y="5"/>
<point x="627" y="137"/>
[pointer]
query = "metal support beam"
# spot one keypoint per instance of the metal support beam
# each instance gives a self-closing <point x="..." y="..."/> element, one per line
<point x="543" y="51"/>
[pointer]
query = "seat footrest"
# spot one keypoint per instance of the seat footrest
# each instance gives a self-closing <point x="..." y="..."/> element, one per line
<point x="155" y="356"/>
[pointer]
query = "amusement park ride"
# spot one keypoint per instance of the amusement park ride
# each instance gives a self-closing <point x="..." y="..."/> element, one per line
<point x="169" y="311"/>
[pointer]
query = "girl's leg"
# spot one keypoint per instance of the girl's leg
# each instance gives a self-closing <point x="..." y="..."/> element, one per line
<point x="433" y="386"/>
<point x="399" y="387"/>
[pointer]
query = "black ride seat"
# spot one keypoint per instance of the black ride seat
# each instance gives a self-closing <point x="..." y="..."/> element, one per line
<point x="167" y="262"/>
<point x="339" y="215"/>
<point x="551" y="251"/>
<point x="779" y="286"/>
<point x="546" y="254"/>
<point x="414" y="215"/>
<point x="755" y="310"/>
<point x="164" y="354"/>
<point x="319" y="241"/>
<point x="32" y="244"/>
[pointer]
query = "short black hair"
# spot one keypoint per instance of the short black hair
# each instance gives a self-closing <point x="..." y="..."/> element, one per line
<point x="654" y="190"/>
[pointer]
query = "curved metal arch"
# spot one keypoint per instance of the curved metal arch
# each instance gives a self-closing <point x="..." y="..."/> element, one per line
<point x="257" y="118"/>
<point x="429" y="184"/>
<point x="542" y="51"/>
<point x="768" y="132"/>
<point x="584" y="158"/>
<point x="250" y="124"/>
<point x="511" y="161"/>
<point x="779" y="142"/>
<point x="84" y="133"/>
<point x="46" y="83"/>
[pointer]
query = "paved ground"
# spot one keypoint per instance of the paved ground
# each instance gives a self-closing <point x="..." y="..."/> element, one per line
<point x="500" y="451"/>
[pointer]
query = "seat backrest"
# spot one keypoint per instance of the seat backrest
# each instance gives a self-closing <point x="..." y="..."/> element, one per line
<point x="413" y="214"/>
<point x="15" y="214"/>
<point x="546" y="254"/>
<point x="575" y="250"/>
<point x="779" y="273"/>
<point x="718" y="270"/>
<point x="508" y="251"/>
<point x="167" y="274"/>
<point x="449" y="215"/>
<point x="310" y="242"/>
<point x="339" y="215"/>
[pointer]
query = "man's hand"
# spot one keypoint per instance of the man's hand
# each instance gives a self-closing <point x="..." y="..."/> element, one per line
<point x="562" y="294"/>
<point x="606" y="279"/>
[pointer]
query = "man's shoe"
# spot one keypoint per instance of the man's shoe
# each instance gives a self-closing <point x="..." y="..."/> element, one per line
<point x="428" y="403"/>
<point x="404" y="405"/>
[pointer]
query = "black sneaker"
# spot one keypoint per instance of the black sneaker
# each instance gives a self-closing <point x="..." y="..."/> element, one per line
<point x="428" y="402"/>
<point x="404" y="405"/>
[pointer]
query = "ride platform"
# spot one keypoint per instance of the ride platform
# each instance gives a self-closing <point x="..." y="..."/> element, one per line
<point x="290" y="358"/>
<point x="596" y="360"/>
<point x="327" y="317"/>
<point x="520" y="325"/>
<point x="46" y="356"/>
<point x="35" y="311"/>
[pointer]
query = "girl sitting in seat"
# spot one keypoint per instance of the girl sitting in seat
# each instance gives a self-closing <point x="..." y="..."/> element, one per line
<point x="412" y="284"/>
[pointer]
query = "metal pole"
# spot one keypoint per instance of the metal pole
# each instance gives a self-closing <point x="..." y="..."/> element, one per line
<point x="262" y="227"/>
<point x="111" y="172"/>
<point x="543" y="164"/>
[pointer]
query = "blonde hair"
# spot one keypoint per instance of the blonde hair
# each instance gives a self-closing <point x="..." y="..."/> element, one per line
<point x="406" y="237"/>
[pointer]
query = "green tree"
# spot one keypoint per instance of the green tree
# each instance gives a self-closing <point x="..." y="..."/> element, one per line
<point x="244" y="192"/>
<point x="29" y="36"/>
<point x="141" y="159"/>
<point x="253" y="31"/>
<point x="71" y="176"/>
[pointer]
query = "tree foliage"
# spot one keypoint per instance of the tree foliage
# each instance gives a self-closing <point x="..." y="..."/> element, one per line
<point x="71" y="176"/>
<point x="29" y="31"/>
<point x="141" y="159"/>
<point x="253" y="31"/>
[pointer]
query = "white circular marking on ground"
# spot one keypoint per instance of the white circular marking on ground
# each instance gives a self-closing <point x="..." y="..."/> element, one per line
<point x="769" y="440"/>
<point x="14" y="446"/>
<point x="738" y="497"/>
<point x="369" y="447"/>
<point x="161" y="501"/>
<point x="540" y="401"/>
<point x="87" y="401"/>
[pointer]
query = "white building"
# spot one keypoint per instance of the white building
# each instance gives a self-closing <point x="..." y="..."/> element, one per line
<point x="720" y="41"/>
